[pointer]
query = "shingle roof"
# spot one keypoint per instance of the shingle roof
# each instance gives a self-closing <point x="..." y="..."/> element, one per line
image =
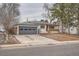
<point x="34" y="23"/>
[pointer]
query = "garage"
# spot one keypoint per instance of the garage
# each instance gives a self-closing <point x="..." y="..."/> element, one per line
<point x="27" y="30"/>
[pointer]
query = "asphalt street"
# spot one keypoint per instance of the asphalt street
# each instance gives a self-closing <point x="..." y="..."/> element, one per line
<point x="51" y="50"/>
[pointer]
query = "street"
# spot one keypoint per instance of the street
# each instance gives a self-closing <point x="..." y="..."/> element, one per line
<point x="51" y="50"/>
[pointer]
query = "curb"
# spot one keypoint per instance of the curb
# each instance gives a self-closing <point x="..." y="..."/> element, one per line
<point x="22" y="46"/>
<point x="36" y="45"/>
<point x="12" y="45"/>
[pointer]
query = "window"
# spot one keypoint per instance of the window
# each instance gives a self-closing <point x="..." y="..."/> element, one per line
<point x="25" y="29"/>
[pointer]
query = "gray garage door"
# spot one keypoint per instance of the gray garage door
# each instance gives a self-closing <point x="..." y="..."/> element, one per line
<point x="27" y="30"/>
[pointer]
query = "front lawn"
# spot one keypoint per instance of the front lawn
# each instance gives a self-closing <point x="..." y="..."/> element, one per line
<point x="61" y="37"/>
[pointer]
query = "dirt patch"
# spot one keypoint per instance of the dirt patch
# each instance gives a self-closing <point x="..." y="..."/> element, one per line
<point x="12" y="40"/>
<point x="61" y="37"/>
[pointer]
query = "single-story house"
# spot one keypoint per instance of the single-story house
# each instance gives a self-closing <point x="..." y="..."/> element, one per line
<point x="31" y="27"/>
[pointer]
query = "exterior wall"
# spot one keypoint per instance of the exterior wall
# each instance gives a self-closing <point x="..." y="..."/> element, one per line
<point x="2" y="28"/>
<point x="56" y="27"/>
<point x="2" y="37"/>
<point x="38" y="29"/>
<point x="43" y="30"/>
<point x="60" y="27"/>
<point x="17" y="29"/>
<point x="73" y="30"/>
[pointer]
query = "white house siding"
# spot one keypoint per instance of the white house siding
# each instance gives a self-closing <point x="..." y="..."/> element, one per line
<point x="43" y="30"/>
<point x="2" y="38"/>
<point x="38" y="29"/>
<point x="17" y="29"/>
<point x="60" y="27"/>
<point x="73" y="30"/>
<point x="1" y="28"/>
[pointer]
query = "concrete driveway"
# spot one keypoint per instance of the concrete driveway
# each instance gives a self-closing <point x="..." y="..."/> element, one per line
<point x="35" y="40"/>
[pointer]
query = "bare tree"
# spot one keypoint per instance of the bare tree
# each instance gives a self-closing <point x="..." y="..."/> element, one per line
<point x="47" y="13"/>
<point x="8" y="14"/>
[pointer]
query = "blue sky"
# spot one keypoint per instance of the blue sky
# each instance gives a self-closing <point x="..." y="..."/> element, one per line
<point x="31" y="10"/>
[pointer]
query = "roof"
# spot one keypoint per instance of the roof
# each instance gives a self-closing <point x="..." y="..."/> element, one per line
<point x="34" y="23"/>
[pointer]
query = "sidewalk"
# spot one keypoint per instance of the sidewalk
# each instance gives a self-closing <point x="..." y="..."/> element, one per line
<point x="14" y="46"/>
<point x="35" y="40"/>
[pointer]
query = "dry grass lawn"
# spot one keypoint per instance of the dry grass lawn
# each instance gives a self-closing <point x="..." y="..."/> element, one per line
<point x="61" y="37"/>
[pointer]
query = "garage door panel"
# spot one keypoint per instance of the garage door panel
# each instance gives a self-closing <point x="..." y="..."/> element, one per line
<point x="28" y="30"/>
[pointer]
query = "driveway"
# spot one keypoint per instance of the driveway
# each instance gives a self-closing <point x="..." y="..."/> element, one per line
<point x="35" y="40"/>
